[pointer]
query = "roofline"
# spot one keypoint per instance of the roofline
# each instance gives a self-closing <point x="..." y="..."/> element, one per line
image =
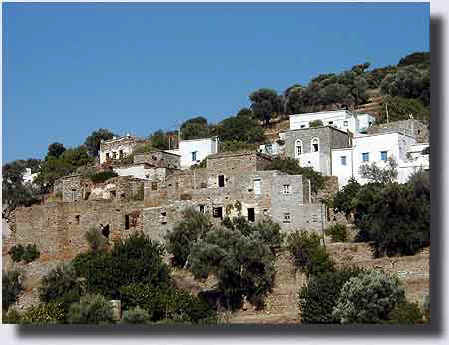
<point x="214" y="137"/>
<point x="308" y="128"/>
<point x="388" y="131"/>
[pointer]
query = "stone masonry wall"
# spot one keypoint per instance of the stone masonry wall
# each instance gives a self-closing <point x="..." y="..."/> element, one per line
<point x="159" y="159"/>
<point x="410" y="127"/>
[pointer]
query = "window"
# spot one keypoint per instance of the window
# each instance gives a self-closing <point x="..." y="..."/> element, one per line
<point x="114" y="155"/>
<point x="105" y="231"/>
<point x="365" y="157"/>
<point x="77" y="219"/>
<point x="107" y="156"/>
<point x="251" y="215"/>
<point x="343" y="160"/>
<point x="217" y="212"/>
<point x="164" y="217"/>
<point x="331" y="122"/>
<point x="127" y="222"/>
<point x="113" y="194"/>
<point x="194" y="156"/>
<point x="286" y="189"/>
<point x="257" y="186"/>
<point x="298" y="148"/>
<point x="286" y="218"/>
<point x="303" y="126"/>
<point x="383" y="155"/>
<point x="269" y="148"/>
<point x="345" y="123"/>
<point x="315" y="145"/>
<point x="221" y="181"/>
<point x="153" y="185"/>
<point x="120" y="153"/>
<point x="202" y="209"/>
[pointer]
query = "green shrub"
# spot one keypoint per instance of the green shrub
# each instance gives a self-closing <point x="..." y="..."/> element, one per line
<point x="102" y="176"/>
<point x="11" y="317"/>
<point x="337" y="232"/>
<point x="135" y="316"/>
<point x="44" y="313"/>
<point x="61" y="285"/>
<point x="136" y="259"/>
<point x="17" y="252"/>
<point x="308" y="255"/>
<point x="179" y="240"/>
<point x="97" y="242"/>
<point x="318" y="298"/>
<point x="316" y="123"/>
<point x="31" y="253"/>
<point x="368" y="298"/>
<point x="91" y="309"/>
<point x="168" y="303"/>
<point x="11" y="287"/>
<point x="406" y="313"/>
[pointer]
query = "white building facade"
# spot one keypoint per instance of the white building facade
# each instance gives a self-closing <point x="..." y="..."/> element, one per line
<point x="378" y="148"/>
<point x="342" y="119"/>
<point x="116" y="148"/>
<point x="195" y="150"/>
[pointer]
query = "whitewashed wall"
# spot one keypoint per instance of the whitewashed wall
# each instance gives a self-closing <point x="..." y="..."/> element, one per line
<point x="202" y="147"/>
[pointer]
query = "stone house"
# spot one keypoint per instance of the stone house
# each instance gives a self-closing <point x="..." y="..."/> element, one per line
<point x="117" y="148"/>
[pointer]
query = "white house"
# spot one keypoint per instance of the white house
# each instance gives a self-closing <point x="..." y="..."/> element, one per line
<point x="342" y="119"/>
<point x="117" y="148"/>
<point x="377" y="148"/>
<point x="195" y="150"/>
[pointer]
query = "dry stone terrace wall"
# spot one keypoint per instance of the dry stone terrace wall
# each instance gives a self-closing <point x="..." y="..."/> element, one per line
<point x="159" y="159"/>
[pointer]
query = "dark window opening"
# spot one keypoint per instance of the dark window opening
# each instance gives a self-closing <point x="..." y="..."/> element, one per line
<point x="126" y="222"/>
<point x="202" y="209"/>
<point x="86" y="195"/>
<point x="163" y="214"/>
<point x="105" y="231"/>
<point x="221" y="181"/>
<point x="107" y="156"/>
<point x="217" y="212"/>
<point x="77" y="219"/>
<point x="203" y="185"/>
<point x="153" y="185"/>
<point x="251" y="215"/>
<point x="120" y="153"/>
<point x="113" y="194"/>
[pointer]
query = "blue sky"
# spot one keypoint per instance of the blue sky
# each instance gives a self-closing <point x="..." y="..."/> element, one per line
<point x="69" y="69"/>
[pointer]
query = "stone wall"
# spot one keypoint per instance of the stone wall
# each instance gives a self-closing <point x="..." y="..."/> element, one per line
<point x="410" y="127"/>
<point x="159" y="159"/>
<point x="72" y="188"/>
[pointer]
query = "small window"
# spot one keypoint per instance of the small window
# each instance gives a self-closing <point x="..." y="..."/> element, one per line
<point x="105" y="231"/>
<point x="164" y="214"/>
<point x="302" y="126"/>
<point x="217" y="212"/>
<point x="286" y="189"/>
<point x="345" y="123"/>
<point x="365" y="157"/>
<point x="153" y="185"/>
<point x="343" y="160"/>
<point x="113" y="194"/>
<point x="107" y="156"/>
<point x="120" y="153"/>
<point x="114" y="155"/>
<point x="383" y="155"/>
<point x="251" y="215"/>
<point x="194" y="156"/>
<point x="257" y="186"/>
<point x="127" y="222"/>
<point x="331" y="122"/>
<point x="315" y="145"/>
<point x="77" y="219"/>
<point x="269" y="148"/>
<point x="202" y="209"/>
<point x="298" y="148"/>
<point x="203" y="185"/>
<point x="221" y="181"/>
<point x="287" y="218"/>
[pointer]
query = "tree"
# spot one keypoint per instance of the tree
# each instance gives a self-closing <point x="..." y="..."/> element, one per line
<point x="91" y="309"/>
<point x="160" y="140"/>
<point x="416" y="58"/>
<point x="242" y="129"/>
<point x="375" y="174"/>
<point x="316" y="123"/>
<point x="55" y="150"/>
<point x="368" y="298"/>
<point x="291" y="166"/>
<point x="265" y="104"/>
<point x="400" y="108"/>
<point x="180" y="240"/>
<point x="11" y="287"/>
<point x="244" y="112"/>
<point x="343" y="200"/>
<point x="93" y="141"/>
<point x="195" y="128"/>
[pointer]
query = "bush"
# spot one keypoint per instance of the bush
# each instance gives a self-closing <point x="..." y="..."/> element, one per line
<point x="319" y="297"/>
<point x="135" y="316"/>
<point x="134" y="260"/>
<point x="27" y="254"/>
<point x="308" y="255"/>
<point x="11" y="317"/>
<point x="193" y="225"/>
<point x="44" y="313"/>
<point x="343" y="199"/>
<point x="97" y="242"/>
<point x="337" y="232"/>
<point x="91" y="309"/>
<point x="169" y="303"/>
<point x="11" y="287"/>
<point x="406" y="313"/>
<point x="316" y="123"/>
<point x="61" y="285"/>
<point x="102" y="176"/>
<point x="368" y="298"/>
<point x="31" y="253"/>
